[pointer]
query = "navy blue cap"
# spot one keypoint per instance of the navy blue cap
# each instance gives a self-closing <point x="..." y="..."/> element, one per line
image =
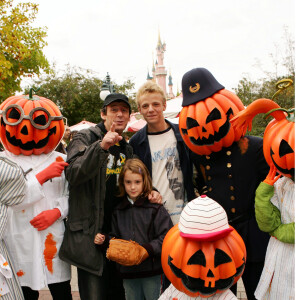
<point x="110" y="98"/>
<point x="198" y="84"/>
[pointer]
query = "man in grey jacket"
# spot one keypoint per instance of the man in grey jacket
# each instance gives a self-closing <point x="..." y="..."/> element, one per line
<point x="96" y="156"/>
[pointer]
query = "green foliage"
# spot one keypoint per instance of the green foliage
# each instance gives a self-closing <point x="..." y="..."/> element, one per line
<point x="76" y="93"/>
<point x="248" y="91"/>
<point x="20" y="46"/>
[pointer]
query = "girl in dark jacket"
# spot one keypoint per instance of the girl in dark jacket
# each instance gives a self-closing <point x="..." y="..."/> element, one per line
<point x="135" y="218"/>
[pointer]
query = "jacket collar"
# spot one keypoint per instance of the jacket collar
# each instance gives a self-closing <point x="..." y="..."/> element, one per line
<point x="144" y="136"/>
<point x="126" y="204"/>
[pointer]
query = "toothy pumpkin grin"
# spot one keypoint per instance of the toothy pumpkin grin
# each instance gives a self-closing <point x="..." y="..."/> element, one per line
<point x="31" y="144"/>
<point x="282" y="170"/>
<point x="198" y="284"/>
<point x="205" y="125"/>
<point x="212" y="138"/>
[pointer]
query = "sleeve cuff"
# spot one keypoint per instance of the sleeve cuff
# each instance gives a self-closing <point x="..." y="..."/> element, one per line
<point x="149" y="249"/>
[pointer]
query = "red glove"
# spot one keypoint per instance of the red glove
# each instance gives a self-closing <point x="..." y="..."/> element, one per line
<point x="53" y="170"/>
<point x="270" y="177"/>
<point x="46" y="218"/>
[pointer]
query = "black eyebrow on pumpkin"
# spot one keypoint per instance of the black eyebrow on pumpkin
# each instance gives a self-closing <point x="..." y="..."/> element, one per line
<point x="214" y="115"/>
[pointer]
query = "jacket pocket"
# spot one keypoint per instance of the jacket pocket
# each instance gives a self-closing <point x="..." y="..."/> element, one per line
<point x="78" y="246"/>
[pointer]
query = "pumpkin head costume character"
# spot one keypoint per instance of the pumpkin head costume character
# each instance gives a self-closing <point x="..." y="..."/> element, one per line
<point x="230" y="165"/>
<point x="275" y="198"/>
<point x="203" y="255"/>
<point x="31" y="128"/>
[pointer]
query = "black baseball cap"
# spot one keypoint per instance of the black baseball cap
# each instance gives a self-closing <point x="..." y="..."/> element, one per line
<point x="116" y="97"/>
<point x="198" y="84"/>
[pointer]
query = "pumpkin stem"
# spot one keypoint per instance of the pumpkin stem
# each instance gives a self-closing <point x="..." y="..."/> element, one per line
<point x="30" y="92"/>
<point x="282" y="85"/>
<point x="289" y="112"/>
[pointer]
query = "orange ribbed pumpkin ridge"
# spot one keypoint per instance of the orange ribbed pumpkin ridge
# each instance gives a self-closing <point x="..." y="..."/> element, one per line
<point x="205" y="126"/>
<point x="214" y="268"/>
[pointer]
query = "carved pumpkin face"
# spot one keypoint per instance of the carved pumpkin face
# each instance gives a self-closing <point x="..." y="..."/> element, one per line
<point x="30" y="125"/>
<point x="205" y="125"/>
<point x="279" y="146"/>
<point x="202" y="268"/>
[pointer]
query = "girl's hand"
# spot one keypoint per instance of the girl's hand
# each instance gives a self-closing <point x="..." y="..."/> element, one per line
<point x="270" y="177"/>
<point x="99" y="239"/>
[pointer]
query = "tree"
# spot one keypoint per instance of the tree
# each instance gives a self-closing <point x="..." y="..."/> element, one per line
<point x="76" y="92"/>
<point x="266" y="87"/>
<point x="249" y="91"/>
<point x="20" y="46"/>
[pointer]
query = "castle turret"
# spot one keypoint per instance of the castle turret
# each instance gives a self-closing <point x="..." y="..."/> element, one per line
<point x="160" y="70"/>
<point x="148" y="76"/>
<point x="170" y="85"/>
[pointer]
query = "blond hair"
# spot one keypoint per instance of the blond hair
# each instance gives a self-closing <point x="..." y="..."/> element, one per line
<point x="136" y="166"/>
<point x="149" y="87"/>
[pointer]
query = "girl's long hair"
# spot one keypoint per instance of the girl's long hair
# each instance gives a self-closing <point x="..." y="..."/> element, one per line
<point x="136" y="166"/>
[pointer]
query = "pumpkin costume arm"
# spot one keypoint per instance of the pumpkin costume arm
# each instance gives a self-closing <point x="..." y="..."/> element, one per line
<point x="285" y="233"/>
<point x="268" y="216"/>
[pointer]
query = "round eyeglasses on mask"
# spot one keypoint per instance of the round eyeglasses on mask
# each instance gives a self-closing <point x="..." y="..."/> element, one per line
<point x="16" y="112"/>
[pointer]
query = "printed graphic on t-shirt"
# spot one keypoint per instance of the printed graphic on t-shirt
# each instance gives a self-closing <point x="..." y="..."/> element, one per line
<point x="166" y="172"/>
<point x="115" y="166"/>
<point x="174" y="183"/>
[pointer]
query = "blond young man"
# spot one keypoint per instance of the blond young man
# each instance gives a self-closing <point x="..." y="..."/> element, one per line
<point x="160" y="146"/>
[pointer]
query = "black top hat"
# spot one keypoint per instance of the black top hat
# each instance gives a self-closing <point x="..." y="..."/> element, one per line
<point x="110" y="98"/>
<point x="198" y="84"/>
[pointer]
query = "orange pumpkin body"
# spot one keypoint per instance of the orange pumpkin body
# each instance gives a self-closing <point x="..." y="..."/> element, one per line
<point x="24" y="138"/>
<point x="205" y="125"/>
<point x="203" y="268"/>
<point x="279" y="146"/>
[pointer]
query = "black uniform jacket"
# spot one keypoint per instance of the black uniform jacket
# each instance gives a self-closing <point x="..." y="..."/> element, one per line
<point x="232" y="176"/>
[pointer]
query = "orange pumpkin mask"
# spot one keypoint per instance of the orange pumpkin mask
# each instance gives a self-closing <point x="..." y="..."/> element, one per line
<point x="30" y="125"/>
<point x="279" y="136"/>
<point x="203" y="268"/>
<point x="207" y="108"/>
<point x="203" y="264"/>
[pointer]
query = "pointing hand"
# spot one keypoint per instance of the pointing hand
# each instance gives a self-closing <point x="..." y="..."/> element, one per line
<point x="111" y="138"/>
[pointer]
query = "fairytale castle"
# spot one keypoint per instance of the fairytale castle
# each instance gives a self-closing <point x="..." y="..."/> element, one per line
<point x="159" y="72"/>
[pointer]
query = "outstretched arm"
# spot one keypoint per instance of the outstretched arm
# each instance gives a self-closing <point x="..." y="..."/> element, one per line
<point x="268" y="216"/>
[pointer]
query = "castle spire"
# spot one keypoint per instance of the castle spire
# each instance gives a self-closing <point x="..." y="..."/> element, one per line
<point x="159" y="40"/>
<point x="170" y="94"/>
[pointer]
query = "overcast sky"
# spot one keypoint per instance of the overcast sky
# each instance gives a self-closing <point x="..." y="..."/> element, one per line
<point x="120" y="36"/>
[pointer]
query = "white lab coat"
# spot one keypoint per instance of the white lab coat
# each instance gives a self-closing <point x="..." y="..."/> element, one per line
<point x="26" y="244"/>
